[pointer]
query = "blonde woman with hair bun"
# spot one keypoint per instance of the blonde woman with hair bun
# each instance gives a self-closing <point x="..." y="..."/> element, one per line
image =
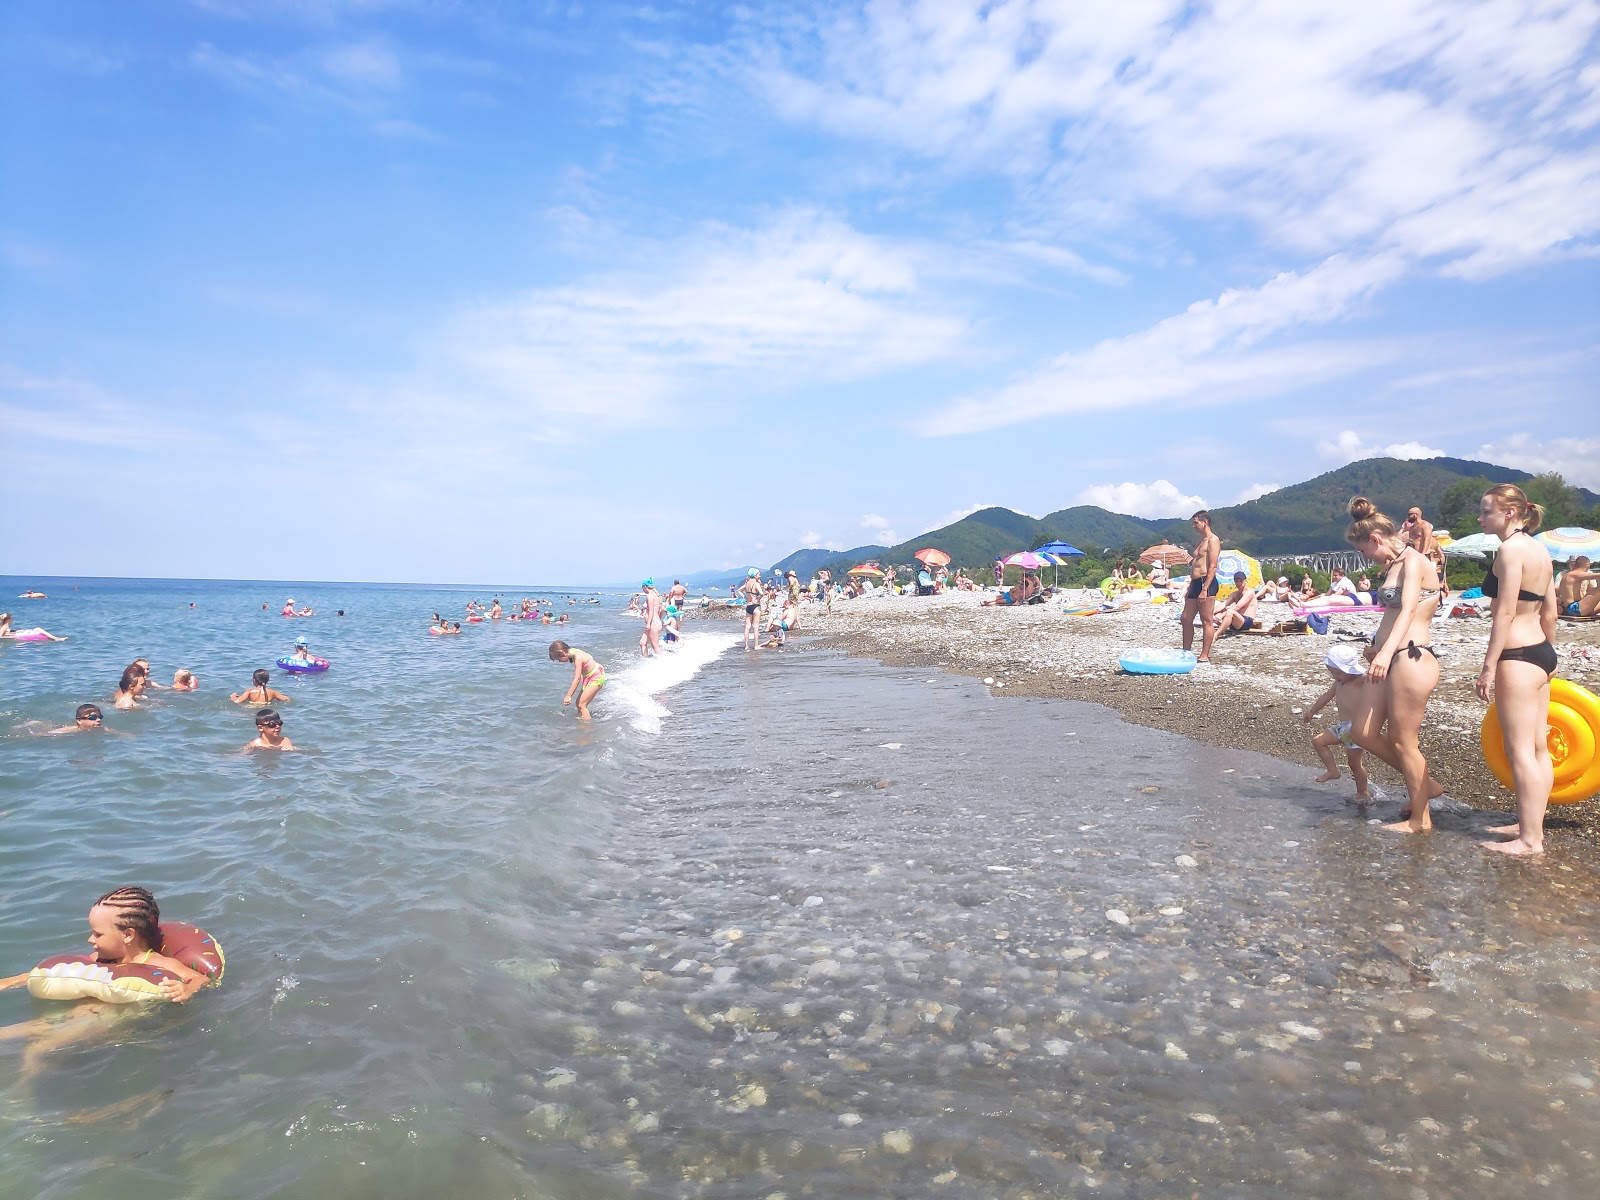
<point x="1521" y="657"/>
<point x="1404" y="668"/>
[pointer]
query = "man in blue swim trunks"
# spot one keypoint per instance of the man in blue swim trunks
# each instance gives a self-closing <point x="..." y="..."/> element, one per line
<point x="1202" y="587"/>
<point x="1578" y="590"/>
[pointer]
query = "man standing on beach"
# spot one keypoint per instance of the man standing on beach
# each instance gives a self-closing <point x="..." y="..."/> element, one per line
<point x="1202" y="587"/>
<point x="678" y="595"/>
<point x="825" y="579"/>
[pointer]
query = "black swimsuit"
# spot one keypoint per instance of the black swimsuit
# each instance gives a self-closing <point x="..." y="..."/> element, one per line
<point x="1540" y="654"/>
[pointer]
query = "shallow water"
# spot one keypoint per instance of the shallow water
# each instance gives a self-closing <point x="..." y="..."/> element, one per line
<point x="790" y="924"/>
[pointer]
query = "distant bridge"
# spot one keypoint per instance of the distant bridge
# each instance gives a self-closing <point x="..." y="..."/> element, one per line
<point x="1323" y="560"/>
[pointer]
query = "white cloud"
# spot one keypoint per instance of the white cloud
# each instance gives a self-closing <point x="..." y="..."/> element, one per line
<point x="1577" y="459"/>
<point x="1428" y="126"/>
<point x="1206" y="353"/>
<point x="879" y="530"/>
<point x="813" y="540"/>
<point x="1348" y="447"/>
<point x="1158" y="499"/>
<point x="1255" y="491"/>
<point x="802" y="299"/>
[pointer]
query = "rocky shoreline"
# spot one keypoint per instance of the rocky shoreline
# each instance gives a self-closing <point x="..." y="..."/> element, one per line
<point x="1249" y="697"/>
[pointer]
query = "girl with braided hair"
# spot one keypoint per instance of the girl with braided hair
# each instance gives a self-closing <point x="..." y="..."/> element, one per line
<point x="125" y="928"/>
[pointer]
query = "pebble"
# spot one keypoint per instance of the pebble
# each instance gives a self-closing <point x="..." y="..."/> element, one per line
<point x="627" y="1008"/>
<point x="1186" y="860"/>
<point x="1116" y="916"/>
<point x="1172" y="910"/>
<point x="891" y="746"/>
<point x="898" y="1141"/>
<point x="1204" y="1118"/>
<point x="849" y="1120"/>
<point x="1176" y="1051"/>
<point x="1310" y="1032"/>
<point x="1057" y="1047"/>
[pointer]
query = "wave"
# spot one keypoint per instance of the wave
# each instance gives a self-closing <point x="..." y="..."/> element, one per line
<point x="639" y="686"/>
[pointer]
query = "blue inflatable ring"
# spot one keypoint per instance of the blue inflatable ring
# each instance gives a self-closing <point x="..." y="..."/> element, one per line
<point x="297" y="666"/>
<point x="1157" y="662"/>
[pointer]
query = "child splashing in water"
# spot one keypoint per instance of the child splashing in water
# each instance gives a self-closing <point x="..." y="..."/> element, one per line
<point x="588" y="676"/>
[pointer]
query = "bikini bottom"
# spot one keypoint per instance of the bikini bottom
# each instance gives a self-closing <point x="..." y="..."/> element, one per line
<point x="1415" y="651"/>
<point x="1540" y="654"/>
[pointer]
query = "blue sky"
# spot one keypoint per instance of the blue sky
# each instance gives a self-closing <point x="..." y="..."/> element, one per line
<point x="525" y="293"/>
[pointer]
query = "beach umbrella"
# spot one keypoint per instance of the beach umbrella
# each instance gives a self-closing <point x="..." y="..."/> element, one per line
<point x="1474" y="546"/>
<point x="932" y="558"/>
<point x="1026" y="559"/>
<point x="1056" y="554"/>
<point x="1166" y="554"/>
<point x="1230" y="561"/>
<point x="866" y="569"/>
<point x="1569" y="541"/>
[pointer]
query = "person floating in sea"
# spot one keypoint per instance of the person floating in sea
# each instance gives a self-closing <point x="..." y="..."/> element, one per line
<point x="260" y="691"/>
<point x="130" y="688"/>
<point x="124" y="930"/>
<point x="1404" y="668"/>
<point x="88" y="717"/>
<point x="1349" y="695"/>
<point x="1202" y="587"/>
<point x="184" y="681"/>
<point x="269" y="732"/>
<point x="1521" y="658"/>
<point x="588" y="676"/>
<point x="302" y="651"/>
<point x="37" y="634"/>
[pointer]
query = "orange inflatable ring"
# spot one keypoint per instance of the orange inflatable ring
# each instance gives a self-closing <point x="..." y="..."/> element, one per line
<point x="1573" y="733"/>
<point x="82" y="977"/>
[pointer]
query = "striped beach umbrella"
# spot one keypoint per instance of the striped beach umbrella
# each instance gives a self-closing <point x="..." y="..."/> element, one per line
<point x="1473" y="546"/>
<point x="1569" y="541"/>
<point x="1230" y="561"/>
<point x="1166" y="554"/>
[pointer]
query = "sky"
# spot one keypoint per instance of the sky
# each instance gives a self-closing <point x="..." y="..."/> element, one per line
<point x="525" y="292"/>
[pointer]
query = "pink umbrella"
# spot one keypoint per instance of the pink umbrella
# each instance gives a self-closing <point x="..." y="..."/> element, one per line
<point x="1026" y="559"/>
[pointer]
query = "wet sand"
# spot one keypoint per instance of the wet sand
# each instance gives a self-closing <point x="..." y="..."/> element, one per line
<point x="1249" y="697"/>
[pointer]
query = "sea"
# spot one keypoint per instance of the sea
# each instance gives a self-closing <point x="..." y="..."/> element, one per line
<point x="777" y="924"/>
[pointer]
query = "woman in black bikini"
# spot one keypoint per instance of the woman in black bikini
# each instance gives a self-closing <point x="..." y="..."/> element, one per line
<point x="1405" y="668"/>
<point x="1521" y="658"/>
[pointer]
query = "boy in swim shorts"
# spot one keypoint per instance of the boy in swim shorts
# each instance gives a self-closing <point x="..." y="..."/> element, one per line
<point x="1348" y="666"/>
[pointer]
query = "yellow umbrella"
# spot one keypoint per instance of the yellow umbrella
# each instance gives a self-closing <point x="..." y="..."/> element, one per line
<point x="1230" y="561"/>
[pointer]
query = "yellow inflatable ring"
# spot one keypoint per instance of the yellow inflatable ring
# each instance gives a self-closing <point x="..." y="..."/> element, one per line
<point x="1573" y="733"/>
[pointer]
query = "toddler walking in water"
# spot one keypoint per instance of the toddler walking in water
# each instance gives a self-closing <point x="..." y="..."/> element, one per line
<point x="588" y="676"/>
<point x="1348" y="667"/>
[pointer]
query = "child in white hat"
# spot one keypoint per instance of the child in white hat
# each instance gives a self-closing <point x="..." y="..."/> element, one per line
<point x="1348" y="666"/>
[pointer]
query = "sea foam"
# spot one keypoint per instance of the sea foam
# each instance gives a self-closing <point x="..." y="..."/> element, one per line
<point x="638" y="688"/>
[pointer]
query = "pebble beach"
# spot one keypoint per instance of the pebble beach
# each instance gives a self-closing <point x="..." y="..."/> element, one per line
<point x="1249" y="697"/>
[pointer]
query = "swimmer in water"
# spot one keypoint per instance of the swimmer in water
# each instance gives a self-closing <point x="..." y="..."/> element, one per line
<point x="184" y="681"/>
<point x="588" y="676"/>
<point x="36" y="634"/>
<point x="86" y="718"/>
<point x="260" y="691"/>
<point x="124" y="927"/>
<point x="130" y="689"/>
<point x="302" y="650"/>
<point x="269" y="733"/>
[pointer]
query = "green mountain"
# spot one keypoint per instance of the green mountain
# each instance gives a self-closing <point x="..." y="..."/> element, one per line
<point x="1299" y="519"/>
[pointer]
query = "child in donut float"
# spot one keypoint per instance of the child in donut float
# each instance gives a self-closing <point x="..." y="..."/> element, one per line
<point x="134" y="956"/>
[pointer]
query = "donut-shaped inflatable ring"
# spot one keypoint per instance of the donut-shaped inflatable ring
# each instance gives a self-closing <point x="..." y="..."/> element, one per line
<point x="300" y="666"/>
<point x="1157" y="662"/>
<point x="1572" y="730"/>
<point x="82" y="977"/>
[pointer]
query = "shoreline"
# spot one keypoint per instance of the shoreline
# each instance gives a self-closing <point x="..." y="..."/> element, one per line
<point x="1248" y="698"/>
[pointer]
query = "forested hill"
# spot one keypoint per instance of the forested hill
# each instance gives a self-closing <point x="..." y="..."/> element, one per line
<point x="1301" y="518"/>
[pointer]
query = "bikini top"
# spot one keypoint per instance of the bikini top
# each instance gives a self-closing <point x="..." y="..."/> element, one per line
<point x="1389" y="597"/>
<point x="1491" y="583"/>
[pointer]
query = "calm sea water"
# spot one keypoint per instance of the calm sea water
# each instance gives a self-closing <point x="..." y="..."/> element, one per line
<point x="786" y="924"/>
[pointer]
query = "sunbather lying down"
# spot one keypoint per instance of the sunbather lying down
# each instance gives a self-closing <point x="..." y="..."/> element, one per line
<point x="1029" y="591"/>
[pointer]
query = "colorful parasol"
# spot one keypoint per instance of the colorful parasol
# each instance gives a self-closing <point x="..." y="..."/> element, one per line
<point x="1569" y="541"/>
<point x="1473" y="546"/>
<point x="1026" y="559"/>
<point x="1230" y="561"/>
<point x="864" y="569"/>
<point x="932" y="557"/>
